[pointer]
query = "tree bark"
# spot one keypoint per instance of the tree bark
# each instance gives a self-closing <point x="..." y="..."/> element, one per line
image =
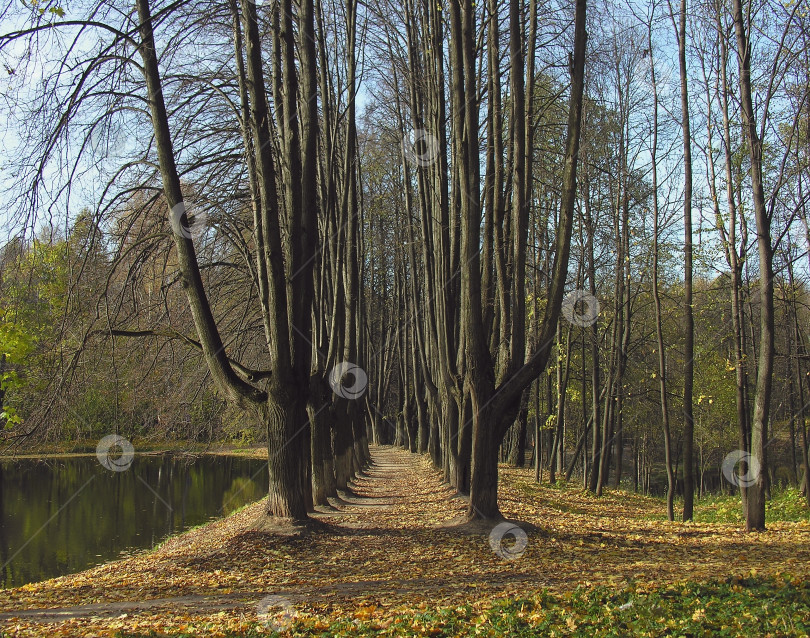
<point x="755" y="512"/>
<point x="688" y="317"/>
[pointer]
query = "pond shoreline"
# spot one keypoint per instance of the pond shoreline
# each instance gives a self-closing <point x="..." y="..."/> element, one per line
<point x="252" y="452"/>
<point x="61" y="514"/>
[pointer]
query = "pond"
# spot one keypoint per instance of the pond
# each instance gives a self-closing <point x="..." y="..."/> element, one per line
<point x="62" y="515"/>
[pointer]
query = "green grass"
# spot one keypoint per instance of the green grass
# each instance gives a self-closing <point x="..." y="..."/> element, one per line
<point x="787" y="505"/>
<point x="749" y="608"/>
<point x="736" y="607"/>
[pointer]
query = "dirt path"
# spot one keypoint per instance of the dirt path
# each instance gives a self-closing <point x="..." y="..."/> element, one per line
<point x="387" y="546"/>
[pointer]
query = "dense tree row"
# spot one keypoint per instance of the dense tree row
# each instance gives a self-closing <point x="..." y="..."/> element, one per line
<point x="483" y="231"/>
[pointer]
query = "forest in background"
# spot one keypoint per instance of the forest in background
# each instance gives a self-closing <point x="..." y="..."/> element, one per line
<point x="525" y="242"/>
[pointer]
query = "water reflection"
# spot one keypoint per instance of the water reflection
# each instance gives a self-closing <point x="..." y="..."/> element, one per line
<point x="63" y="515"/>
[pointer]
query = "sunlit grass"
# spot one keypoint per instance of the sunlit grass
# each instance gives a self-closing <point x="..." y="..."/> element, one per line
<point x="786" y="504"/>
<point x="735" y="607"/>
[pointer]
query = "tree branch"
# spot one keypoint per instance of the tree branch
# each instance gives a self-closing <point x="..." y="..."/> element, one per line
<point x="248" y="374"/>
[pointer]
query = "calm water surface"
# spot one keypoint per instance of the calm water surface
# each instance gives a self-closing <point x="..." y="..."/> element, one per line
<point x="59" y="516"/>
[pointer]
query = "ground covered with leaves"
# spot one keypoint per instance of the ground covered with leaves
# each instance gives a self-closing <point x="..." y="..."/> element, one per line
<point x="389" y="559"/>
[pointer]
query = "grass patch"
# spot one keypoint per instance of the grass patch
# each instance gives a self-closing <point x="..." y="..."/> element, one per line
<point x="786" y="505"/>
<point x="736" y="607"/>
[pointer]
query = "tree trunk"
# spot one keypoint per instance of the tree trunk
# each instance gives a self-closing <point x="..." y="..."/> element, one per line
<point x="323" y="469"/>
<point x="282" y="408"/>
<point x="735" y="260"/>
<point x="286" y="420"/>
<point x="755" y="512"/>
<point x="489" y="406"/>
<point x="688" y="318"/>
